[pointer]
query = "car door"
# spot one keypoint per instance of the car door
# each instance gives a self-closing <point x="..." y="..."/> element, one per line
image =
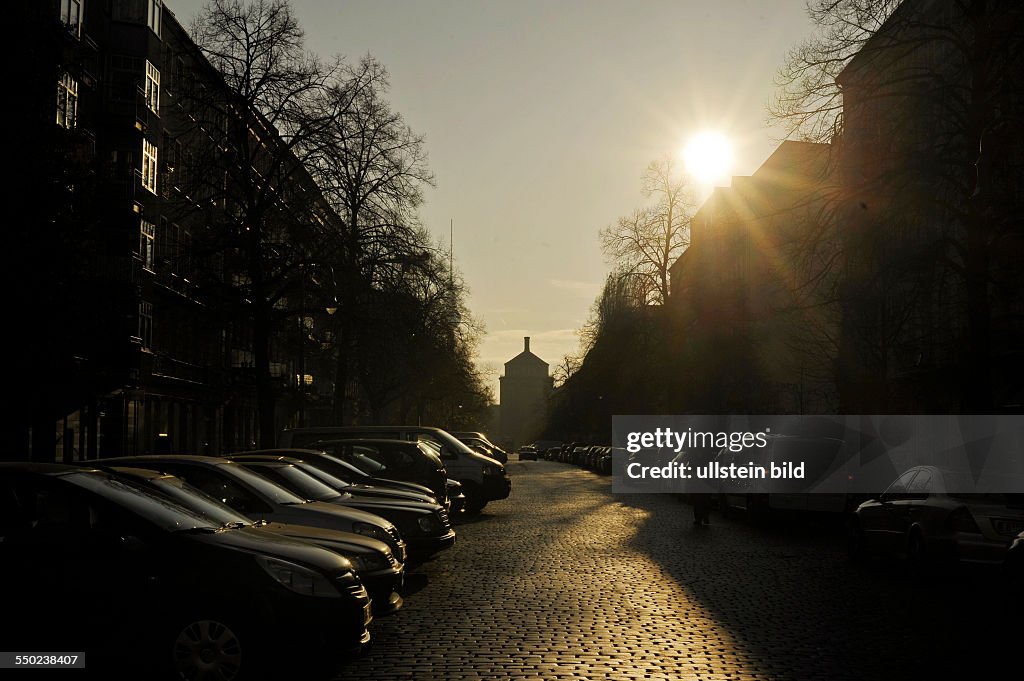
<point x="72" y="564"/>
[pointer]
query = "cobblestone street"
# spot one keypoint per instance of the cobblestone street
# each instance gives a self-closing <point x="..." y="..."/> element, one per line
<point x="565" y="580"/>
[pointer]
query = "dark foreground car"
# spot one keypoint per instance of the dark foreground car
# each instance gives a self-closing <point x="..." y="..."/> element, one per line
<point x="93" y="562"/>
<point x="381" y="573"/>
<point x="253" y="495"/>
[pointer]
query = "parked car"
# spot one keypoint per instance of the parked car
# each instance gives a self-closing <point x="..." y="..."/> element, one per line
<point x="922" y="515"/>
<point x="354" y="475"/>
<point x="542" y="446"/>
<point x="456" y="497"/>
<point x="336" y="483"/>
<point x="424" y="525"/>
<point x="527" y="453"/>
<point x="488" y="448"/>
<point x="399" y="459"/>
<point x="483" y="478"/>
<point x="94" y="562"/>
<point x="258" y="498"/>
<point x="381" y="573"/>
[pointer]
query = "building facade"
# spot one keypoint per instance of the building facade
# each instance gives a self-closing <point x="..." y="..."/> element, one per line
<point x="745" y="291"/>
<point x="151" y="350"/>
<point x="524" y="392"/>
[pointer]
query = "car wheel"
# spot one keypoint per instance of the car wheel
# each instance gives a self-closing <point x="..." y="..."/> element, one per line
<point x="207" y="649"/>
<point x="856" y="544"/>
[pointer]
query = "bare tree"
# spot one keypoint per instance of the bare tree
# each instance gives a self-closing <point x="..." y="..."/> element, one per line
<point x="250" y="124"/>
<point x="372" y="168"/>
<point x="565" y="368"/>
<point x="648" y="241"/>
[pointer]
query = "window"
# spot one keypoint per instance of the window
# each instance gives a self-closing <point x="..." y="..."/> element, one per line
<point x="67" y="101"/>
<point x="133" y="11"/>
<point x="149" y="165"/>
<point x="153" y="15"/>
<point x="147" y="242"/>
<point x="125" y="77"/>
<point x="71" y="15"/>
<point x="146" y="324"/>
<point x="152" y="88"/>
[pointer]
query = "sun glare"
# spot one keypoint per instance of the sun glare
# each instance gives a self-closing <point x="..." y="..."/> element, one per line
<point x="708" y="157"/>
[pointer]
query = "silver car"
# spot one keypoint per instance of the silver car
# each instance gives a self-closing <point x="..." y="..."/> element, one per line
<point x="922" y="516"/>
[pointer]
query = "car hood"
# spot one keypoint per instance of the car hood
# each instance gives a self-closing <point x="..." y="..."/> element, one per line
<point x="380" y="504"/>
<point x="371" y="491"/>
<point x="333" y="539"/>
<point x="328" y="515"/>
<point x="257" y="541"/>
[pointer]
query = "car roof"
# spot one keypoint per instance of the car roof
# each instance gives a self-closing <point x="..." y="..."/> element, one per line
<point x="280" y="458"/>
<point x="369" y="440"/>
<point x="45" y="467"/>
<point x="277" y="451"/>
<point x="158" y="458"/>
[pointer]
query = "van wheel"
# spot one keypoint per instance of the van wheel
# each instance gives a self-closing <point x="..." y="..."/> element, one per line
<point x="475" y="500"/>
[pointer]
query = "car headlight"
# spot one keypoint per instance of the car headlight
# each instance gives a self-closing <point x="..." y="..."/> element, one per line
<point x="297" y="578"/>
<point x="430" y="523"/>
<point x="369" y="561"/>
<point x="372" y="531"/>
<point x="492" y="470"/>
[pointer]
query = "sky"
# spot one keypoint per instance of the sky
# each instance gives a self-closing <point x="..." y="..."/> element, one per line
<point x="540" y="117"/>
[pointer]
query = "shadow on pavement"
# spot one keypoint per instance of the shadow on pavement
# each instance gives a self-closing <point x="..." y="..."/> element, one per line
<point x="786" y="593"/>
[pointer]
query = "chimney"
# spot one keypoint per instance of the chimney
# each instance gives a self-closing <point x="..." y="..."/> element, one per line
<point x="526" y="343"/>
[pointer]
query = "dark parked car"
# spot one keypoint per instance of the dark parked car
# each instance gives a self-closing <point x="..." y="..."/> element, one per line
<point x="923" y="516"/>
<point x="253" y="495"/>
<point x="360" y="490"/>
<point x="424" y="525"/>
<point x="381" y="573"/>
<point x="488" y="448"/>
<point x="343" y="470"/>
<point x="483" y="479"/>
<point x="97" y="563"/>
<point x="399" y="459"/>
<point x="456" y="497"/>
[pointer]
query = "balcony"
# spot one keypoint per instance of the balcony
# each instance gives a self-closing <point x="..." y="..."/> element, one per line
<point x="178" y="370"/>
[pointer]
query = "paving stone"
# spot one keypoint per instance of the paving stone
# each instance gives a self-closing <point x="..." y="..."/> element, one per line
<point x="565" y="580"/>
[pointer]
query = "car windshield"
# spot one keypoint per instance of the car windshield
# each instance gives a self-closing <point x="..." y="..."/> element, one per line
<point x="192" y="498"/>
<point x="262" y="485"/>
<point x="443" y="438"/>
<point x="148" y="503"/>
<point x="352" y="456"/>
<point x="432" y="450"/>
<point x="296" y="480"/>
<point x="360" y="458"/>
<point x="323" y="476"/>
<point x="329" y="463"/>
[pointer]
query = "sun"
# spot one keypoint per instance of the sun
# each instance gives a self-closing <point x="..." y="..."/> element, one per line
<point x="708" y="157"/>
